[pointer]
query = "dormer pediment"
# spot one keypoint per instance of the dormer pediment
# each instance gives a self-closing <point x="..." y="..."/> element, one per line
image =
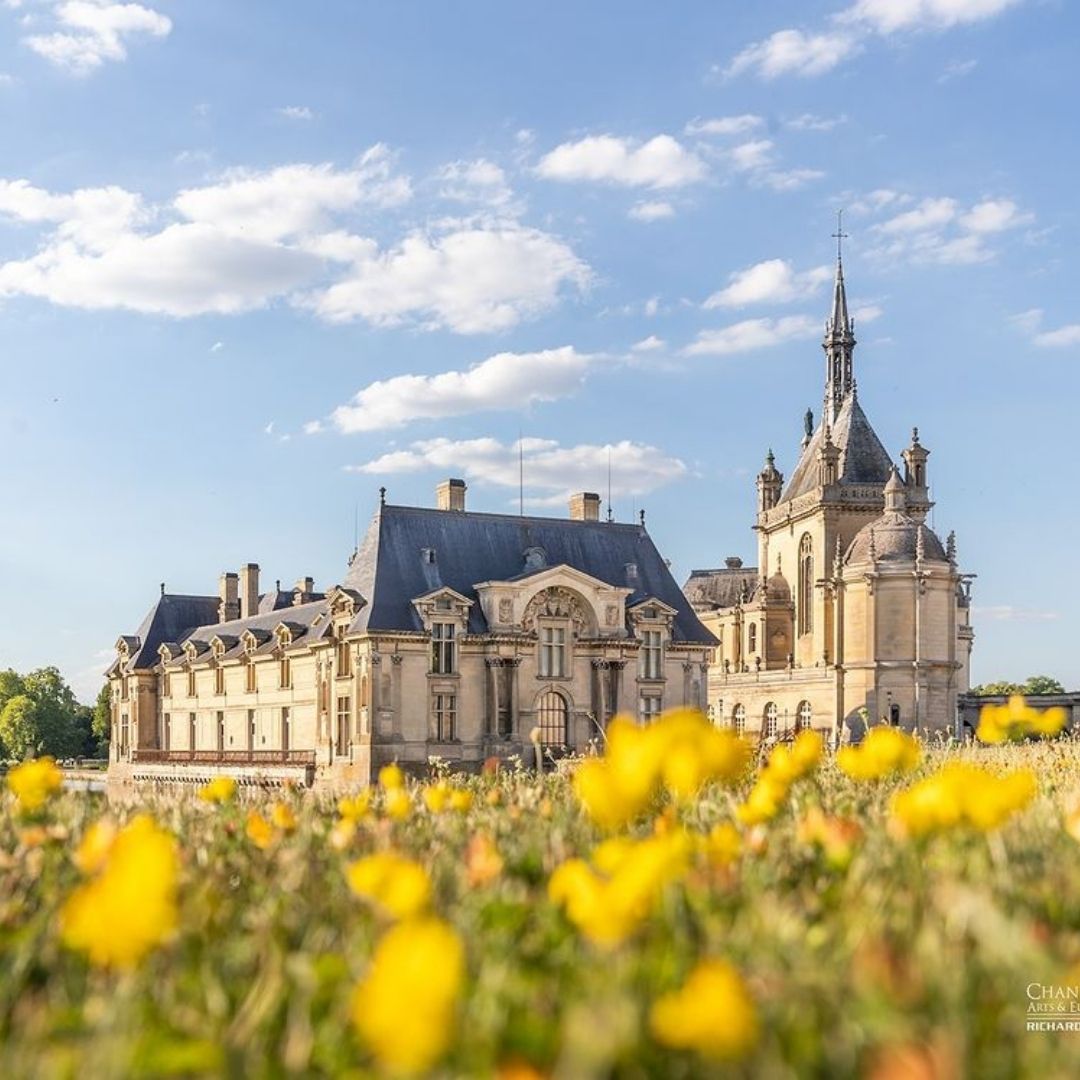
<point x="651" y="612"/>
<point x="127" y="645"/>
<point x="345" y="601"/>
<point x="443" y="603"/>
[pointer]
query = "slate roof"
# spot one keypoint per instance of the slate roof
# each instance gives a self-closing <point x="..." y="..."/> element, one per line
<point x="863" y="458"/>
<point x="721" y="588"/>
<point x="391" y="569"/>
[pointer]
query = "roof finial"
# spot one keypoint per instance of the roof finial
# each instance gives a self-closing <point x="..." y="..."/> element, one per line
<point x="641" y="517"/>
<point x="382" y="496"/>
<point x="163" y="588"/>
<point x="839" y="236"/>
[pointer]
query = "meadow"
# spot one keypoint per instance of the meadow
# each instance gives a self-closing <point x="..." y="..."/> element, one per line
<point x="681" y="905"/>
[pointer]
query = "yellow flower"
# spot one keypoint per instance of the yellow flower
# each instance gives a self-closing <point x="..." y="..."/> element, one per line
<point x="95" y="846"/>
<point x="397" y="804"/>
<point x="483" y="863"/>
<point x="764" y="802"/>
<point x="130" y="906"/>
<point x="259" y="831"/>
<point x="33" y="782"/>
<point x="692" y="752"/>
<point x="282" y="817"/>
<point x="461" y="800"/>
<point x="713" y="1014"/>
<point x="404" y="1007"/>
<point x="356" y="807"/>
<point x="723" y="845"/>
<point x="1018" y="720"/>
<point x="962" y="795"/>
<point x="391" y="778"/>
<point x="610" y="905"/>
<point x="834" y="837"/>
<point x="399" y="886"/>
<point x="436" y="796"/>
<point x="884" y="751"/>
<point x="342" y="833"/>
<point x="219" y="790"/>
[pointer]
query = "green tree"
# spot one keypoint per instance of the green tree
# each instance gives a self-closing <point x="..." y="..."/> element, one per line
<point x="1043" y="684"/>
<point x="1037" y="684"/>
<point x="55" y="711"/>
<point x="102" y="725"/>
<point x="18" y="726"/>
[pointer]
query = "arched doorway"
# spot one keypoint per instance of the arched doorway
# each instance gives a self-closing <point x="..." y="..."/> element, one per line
<point x="551" y="718"/>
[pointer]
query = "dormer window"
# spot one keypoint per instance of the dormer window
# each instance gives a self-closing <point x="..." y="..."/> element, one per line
<point x="553" y="663"/>
<point x="442" y="648"/>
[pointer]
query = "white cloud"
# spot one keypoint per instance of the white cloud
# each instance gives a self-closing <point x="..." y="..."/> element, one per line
<point x="809" y="53"/>
<point x="788" y="179"/>
<point x="90" y="32"/>
<point x="650" y="344"/>
<point x="651" y="211"/>
<point x="773" y="281"/>
<point x="752" y="155"/>
<point x="810" y="122"/>
<point x="753" y="334"/>
<point x="1027" y="322"/>
<point x="252" y="237"/>
<point x="995" y="215"/>
<point x="792" y="52"/>
<point x="636" y="468"/>
<point x="662" y="162"/>
<point x="1008" y="613"/>
<point x="1061" y="338"/>
<point x="479" y="181"/>
<point x="471" y="280"/>
<point x="269" y="428"/>
<point x="958" y="69"/>
<point x="929" y="214"/>
<point x="725" y="125"/>
<point x="890" y="16"/>
<point x="867" y="313"/>
<point x="217" y="346"/>
<point x="503" y="381"/>
<point x="296" y="112"/>
<point x="878" y="200"/>
<point x="313" y="427"/>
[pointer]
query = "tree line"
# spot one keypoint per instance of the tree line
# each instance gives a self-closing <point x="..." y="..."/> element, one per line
<point x="1037" y="684"/>
<point x="39" y="715"/>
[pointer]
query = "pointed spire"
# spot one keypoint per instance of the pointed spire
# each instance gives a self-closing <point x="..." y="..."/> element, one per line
<point x="895" y="493"/>
<point x="839" y="341"/>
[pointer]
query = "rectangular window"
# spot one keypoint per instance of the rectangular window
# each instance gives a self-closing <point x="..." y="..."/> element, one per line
<point x="251" y="730"/>
<point x="249" y="677"/>
<point x="123" y="734"/>
<point x="221" y="732"/>
<point x="286" y="728"/>
<point x="553" y="652"/>
<point x="219" y="680"/>
<point x="344" y="660"/>
<point x="652" y="655"/>
<point x="445" y="717"/>
<point x="166" y="689"/>
<point x="166" y="731"/>
<point x="191" y="731"/>
<point x="124" y="688"/>
<point x="191" y="684"/>
<point x="442" y="648"/>
<point x="284" y="674"/>
<point x="648" y="708"/>
<point x="344" y="709"/>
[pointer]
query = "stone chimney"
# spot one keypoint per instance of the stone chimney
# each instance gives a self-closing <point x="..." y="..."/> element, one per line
<point x="303" y="591"/>
<point x="733" y="562"/>
<point x="249" y="590"/>
<point x="229" y="608"/>
<point x="585" y="506"/>
<point x="450" y="495"/>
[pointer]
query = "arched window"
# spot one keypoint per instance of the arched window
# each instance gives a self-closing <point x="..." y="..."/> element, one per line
<point x="806" y="584"/>
<point x="738" y="716"/>
<point x="804" y="718"/>
<point x="770" y="720"/>
<point x="551" y="719"/>
<point x="752" y="638"/>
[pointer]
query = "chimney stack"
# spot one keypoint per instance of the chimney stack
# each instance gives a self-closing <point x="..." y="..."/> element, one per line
<point x="303" y="590"/>
<point x="585" y="506"/>
<point x="229" y="608"/>
<point x="249" y="590"/>
<point x="450" y="495"/>
<point x="733" y="562"/>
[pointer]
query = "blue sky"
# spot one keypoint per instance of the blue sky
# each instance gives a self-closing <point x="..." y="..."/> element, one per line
<point x="257" y="259"/>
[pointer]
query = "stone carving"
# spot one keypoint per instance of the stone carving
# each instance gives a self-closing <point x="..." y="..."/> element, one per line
<point x="506" y="609"/>
<point x="556" y="603"/>
<point x="611" y="615"/>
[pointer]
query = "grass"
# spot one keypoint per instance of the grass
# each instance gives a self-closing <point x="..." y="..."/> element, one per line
<point x="889" y="959"/>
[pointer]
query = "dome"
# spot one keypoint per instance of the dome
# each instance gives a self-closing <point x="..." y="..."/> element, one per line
<point x="894" y="537"/>
<point x="777" y="588"/>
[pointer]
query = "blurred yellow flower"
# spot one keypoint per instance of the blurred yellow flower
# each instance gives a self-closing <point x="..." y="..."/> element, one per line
<point x="95" y="846"/>
<point x="259" y="831"/>
<point x="404" y="1007"/>
<point x="397" y="804"/>
<point x="836" y="838"/>
<point x="461" y="800"/>
<point x="723" y="844"/>
<point x="397" y="885"/>
<point x="483" y="863"/>
<point x="282" y="817"/>
<point x="129" y="907"/>
<point x="884" y="751"/>
<point x="219" y="790"/>
<point x="436" y="796"/>
<point x="342" y="833"/>
<point x="764" y="802"/>
<point x="33" y="782"/>
<point x="712" y="1013"/>
<point x="391" y="778"/>
<point x="355" y="807"/>
<point x="962" y="795"/>
<point x="1018" y="720"/>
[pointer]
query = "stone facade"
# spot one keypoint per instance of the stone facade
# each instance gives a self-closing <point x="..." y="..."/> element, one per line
<point x="856" y="612"/>
<point x="453" y="635"/>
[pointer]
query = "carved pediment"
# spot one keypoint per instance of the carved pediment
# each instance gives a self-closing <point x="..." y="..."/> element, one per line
<point x="557" y="603"/>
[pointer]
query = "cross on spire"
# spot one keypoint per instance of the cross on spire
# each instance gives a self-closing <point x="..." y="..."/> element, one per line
<point x="839" y="236"/>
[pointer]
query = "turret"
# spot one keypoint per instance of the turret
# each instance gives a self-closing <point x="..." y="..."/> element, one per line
<point x="915" y="462"/>
<point x="828" y="461"/>
<point x="770" y="482"/>
<point x="839" y="340"/>
<point x="895" y="494"/>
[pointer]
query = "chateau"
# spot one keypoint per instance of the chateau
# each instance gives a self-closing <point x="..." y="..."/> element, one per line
<point x="856" y="612"/>
<point x="465" y="636"/>
<point x="454" y="635"/>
